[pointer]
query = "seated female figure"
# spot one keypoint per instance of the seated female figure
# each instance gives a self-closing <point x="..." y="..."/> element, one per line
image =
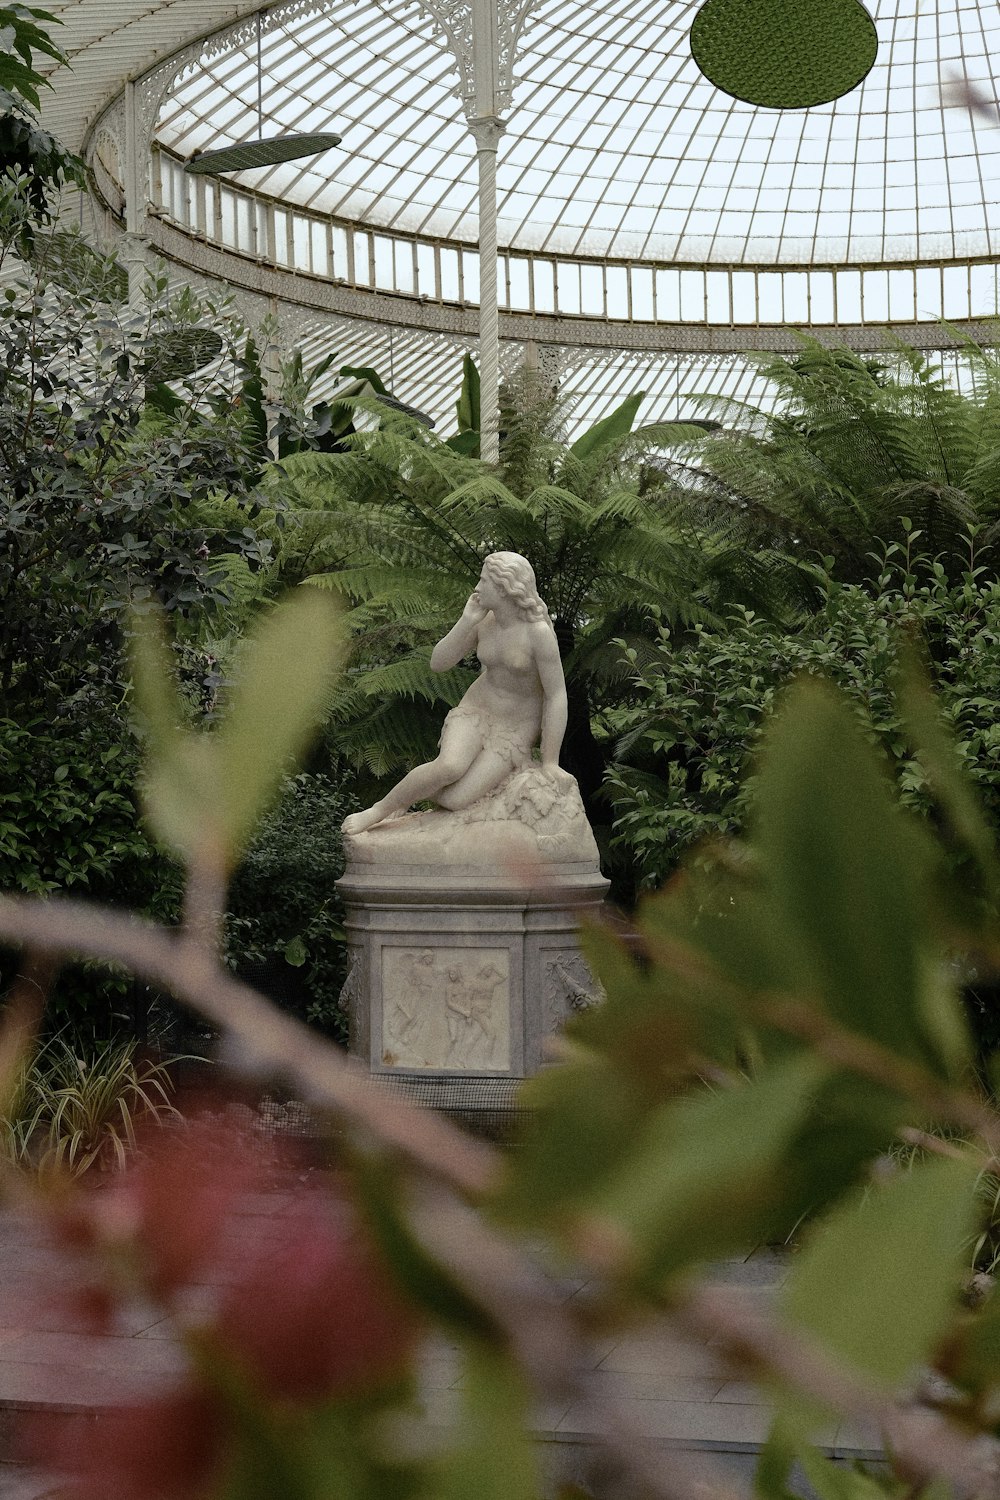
<point x="518" y="700"/>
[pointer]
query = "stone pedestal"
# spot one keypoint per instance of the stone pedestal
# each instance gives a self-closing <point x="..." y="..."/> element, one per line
<point x="462" y="933"/>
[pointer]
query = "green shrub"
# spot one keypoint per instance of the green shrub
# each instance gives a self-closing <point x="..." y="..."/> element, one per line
<point x="69" y="824"/>
<point x="284" y="932"/>
<point x="685" y="752"/>
<point x="68" y="819"/>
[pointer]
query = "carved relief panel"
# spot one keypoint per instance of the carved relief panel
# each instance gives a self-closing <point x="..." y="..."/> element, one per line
<point x="569" y="987"/>
<point x="446" y="1008"/>
<point x="353" y="999"/>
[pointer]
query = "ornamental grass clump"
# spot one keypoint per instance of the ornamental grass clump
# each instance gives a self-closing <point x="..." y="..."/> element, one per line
<point x="67" y="1114"/>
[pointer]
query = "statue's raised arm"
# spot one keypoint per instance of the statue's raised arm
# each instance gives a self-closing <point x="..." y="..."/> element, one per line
<point x="517" y="702"/>
<point x="462" y="638"/>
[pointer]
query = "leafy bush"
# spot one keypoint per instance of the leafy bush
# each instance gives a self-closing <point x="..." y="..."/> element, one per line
<point x="104" y="502"/>
<point x="33" y="165"/>
<point x="110" y="487"/>
<point x="284" y="931"/>
<point x="68" y="817"/>
<point x="685" y="756"/>
<point x="69" y="823"/>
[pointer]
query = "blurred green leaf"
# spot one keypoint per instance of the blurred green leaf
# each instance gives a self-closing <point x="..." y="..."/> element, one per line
<point x="283" y="688"/>
<point x="418" y="1273"/>
<point x="837" y="1481"/>
<point x="584" y="1116"/>
<point x="654" y="1018"/>
<point x="305" y="1455"/>
<point x="705" y="1173"/>
<point x="876" y="1282"/>
<point x="494" y="1457"/>
<point x="180" y="782"/>
<point x="729" y="922"/>
<point x="204" y="792"/>
<point x="851" y="1122"/>
<point x="976" y="1364"/>
<point x="848" y="872"/>
<point x="157" y="698"/>
<point x="772" y="1471"/>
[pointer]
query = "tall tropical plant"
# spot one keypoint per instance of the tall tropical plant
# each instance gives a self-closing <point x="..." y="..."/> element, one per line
<point x="398" y="525"/>
<point x="105" y="499"/>
<point x="856" y="453"/>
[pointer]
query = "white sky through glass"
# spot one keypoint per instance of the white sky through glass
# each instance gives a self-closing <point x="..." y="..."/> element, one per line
<point x="616" y="144"/>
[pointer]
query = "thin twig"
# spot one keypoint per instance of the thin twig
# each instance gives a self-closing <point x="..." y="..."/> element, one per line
<point x="870" y="1059"/>
<point x="204" y="905"/>
<point x="924" y="1444"/>
<point x="807" y="1021"/>
<point x="933" y="1144"/>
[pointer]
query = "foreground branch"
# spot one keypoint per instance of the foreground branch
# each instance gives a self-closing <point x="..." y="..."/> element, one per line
<point x="809" y="1023"/>
<point x="546" y="1338"/>
<point x="924" y="1444"/>
<point x="503" y="1281"/>
<point x="323" y="1074"/>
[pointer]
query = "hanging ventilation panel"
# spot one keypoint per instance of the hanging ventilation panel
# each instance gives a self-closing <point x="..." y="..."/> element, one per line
<point x="262" y="153"/>
<point x="784" y="54"/>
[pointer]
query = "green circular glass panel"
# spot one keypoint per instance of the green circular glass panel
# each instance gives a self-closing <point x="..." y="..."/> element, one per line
<point x="784" y="54"/>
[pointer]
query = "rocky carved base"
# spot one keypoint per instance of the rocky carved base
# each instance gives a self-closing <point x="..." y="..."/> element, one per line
<point x="463" y="930"/>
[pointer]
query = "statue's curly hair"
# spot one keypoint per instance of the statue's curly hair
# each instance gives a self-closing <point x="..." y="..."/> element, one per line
<point x="516" y="577"/>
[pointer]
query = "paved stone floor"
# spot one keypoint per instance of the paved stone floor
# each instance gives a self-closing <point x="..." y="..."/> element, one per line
<point x="675" y="1393"/>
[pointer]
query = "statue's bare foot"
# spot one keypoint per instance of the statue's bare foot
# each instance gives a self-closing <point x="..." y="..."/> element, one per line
<point x="360" y="822"/>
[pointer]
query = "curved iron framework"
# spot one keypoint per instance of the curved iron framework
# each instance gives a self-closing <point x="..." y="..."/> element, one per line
<point x="594" y="290"/>
<point x="592" y="319"/>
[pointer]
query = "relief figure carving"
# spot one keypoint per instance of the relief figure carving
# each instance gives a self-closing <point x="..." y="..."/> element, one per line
<point x="409" y="1010"/>
<point x="446" y="1008"/>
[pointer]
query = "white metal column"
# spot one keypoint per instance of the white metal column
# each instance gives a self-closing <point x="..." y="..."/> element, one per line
<point x="487" y="131"/>
<point x="135" y="244"/>
<point x="487" y="128"/>
<point x="483" y="36"/>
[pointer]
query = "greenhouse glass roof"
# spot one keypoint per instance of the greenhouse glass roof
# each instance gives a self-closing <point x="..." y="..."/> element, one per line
<point x="616" y="145"/>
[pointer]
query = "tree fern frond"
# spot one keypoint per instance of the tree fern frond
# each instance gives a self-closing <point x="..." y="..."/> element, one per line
<point x="411" y="677"/>
<point x="554" y="500"/>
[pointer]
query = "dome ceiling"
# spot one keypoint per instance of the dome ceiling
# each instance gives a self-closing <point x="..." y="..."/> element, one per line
<point x="617" y="146"/>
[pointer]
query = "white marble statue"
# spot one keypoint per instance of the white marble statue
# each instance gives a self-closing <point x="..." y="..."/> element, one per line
<point x="517" y="702"/>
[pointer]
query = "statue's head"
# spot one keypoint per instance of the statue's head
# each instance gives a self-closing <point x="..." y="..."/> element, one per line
<point x="514" y="576"/>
